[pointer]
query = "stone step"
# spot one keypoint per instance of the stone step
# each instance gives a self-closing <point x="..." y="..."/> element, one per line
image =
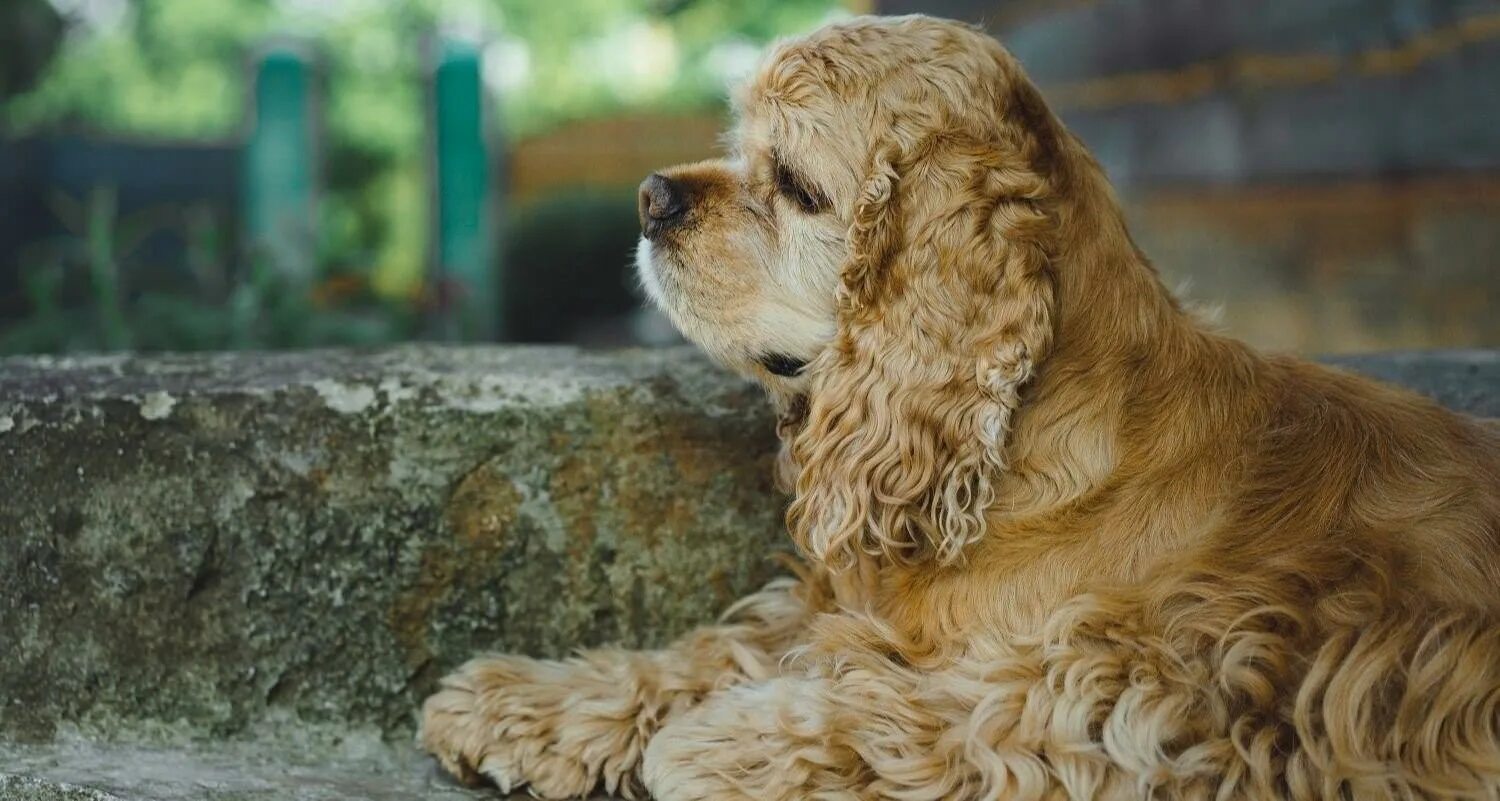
<point x="233" y="771"/>
<point x="210" y="541"/>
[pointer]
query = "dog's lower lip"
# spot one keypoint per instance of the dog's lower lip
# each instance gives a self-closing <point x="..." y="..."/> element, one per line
<point x="782" y="364"/>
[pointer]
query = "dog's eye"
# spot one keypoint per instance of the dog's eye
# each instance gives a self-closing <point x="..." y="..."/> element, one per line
<point x="782" y="364"/>
<point x="794" y="190"/>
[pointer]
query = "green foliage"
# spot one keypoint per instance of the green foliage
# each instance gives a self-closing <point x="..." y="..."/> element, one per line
<point x="177" y="68"/>
<point x="172" y="68"/>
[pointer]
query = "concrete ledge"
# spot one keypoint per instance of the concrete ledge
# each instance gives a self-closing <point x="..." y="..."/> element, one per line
<point x="233" y="771"/>
<point x="201" y="544"/>
<point x="235" y="576"/>
<point x="1465" y="380"/>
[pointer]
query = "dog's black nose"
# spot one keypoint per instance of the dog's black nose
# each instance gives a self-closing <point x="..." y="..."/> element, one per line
<point x="662" y="204"/>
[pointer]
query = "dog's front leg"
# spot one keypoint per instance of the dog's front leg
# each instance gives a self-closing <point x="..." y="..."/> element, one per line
<point x="859" y="736"/>
<point x="848" y="719"/>
<point x="566" y="728"/>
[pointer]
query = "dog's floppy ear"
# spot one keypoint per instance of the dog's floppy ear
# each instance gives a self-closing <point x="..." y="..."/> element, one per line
<point x="946" y="309"/>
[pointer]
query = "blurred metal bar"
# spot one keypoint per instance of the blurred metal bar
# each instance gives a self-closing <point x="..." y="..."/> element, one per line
<point x="464" y="266"/>
<point x="281" y="164"/>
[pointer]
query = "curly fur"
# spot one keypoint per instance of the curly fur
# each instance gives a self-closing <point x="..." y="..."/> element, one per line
<point x="1060" y="541"/>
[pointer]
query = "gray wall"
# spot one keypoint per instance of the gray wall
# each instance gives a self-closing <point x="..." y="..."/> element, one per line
<point x="1325" y="171"/>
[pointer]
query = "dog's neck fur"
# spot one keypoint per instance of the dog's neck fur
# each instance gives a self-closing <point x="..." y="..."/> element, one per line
<point x="1119" y="331"/>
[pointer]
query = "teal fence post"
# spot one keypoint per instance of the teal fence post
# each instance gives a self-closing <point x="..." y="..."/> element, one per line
<point x="463" y="239"/>
<point x="281" y="165"/>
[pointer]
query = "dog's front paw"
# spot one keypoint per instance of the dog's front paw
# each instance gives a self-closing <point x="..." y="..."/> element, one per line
<point x="466" y="741"/>
<point x="561" y="730"/>
<point x="773" y="741"/>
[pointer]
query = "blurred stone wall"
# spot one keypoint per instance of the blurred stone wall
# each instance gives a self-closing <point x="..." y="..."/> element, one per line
<point x="1326" y="172"/>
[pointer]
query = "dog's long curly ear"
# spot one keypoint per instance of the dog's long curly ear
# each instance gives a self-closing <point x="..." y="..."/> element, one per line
<point x="946" y="311"/>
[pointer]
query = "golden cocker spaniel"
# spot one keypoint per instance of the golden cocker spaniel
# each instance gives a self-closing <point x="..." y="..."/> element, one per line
<point x="1059" y="541"/>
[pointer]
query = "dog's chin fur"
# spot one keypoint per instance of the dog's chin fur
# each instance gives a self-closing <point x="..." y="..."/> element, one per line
<point x="1058" y="540"/>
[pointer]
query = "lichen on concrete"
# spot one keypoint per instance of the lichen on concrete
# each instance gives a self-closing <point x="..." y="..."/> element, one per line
<point x="157" y="405"/>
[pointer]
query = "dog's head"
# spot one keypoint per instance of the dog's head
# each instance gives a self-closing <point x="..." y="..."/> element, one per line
<point x="876" y="251"/>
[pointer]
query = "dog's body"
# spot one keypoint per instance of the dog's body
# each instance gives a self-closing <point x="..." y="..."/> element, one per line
<point x="1061" y="541"/>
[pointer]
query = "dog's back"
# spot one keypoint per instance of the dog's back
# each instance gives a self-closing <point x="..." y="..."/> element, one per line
<point x="1346" y="473"/>
<point x="1345" y="608"/>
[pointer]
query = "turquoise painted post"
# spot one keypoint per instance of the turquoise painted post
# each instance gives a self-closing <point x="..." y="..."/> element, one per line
<point x="463" y="240"/>
<point x="280" y="186"/>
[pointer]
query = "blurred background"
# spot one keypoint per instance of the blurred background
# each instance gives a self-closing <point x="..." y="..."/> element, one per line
<point x="205" y="174"/>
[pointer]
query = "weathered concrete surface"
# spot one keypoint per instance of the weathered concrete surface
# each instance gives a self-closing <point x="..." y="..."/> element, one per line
<point x="203" y="544"/>
<point x="1466" y="380"/>
<point x="259" y="771"/>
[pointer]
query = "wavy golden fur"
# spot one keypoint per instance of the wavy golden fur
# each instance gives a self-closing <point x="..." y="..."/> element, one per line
<point x="1059" y="540"/>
